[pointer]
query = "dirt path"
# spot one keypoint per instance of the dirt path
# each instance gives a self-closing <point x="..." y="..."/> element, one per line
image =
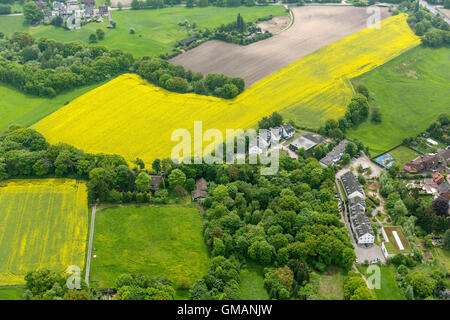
<point x="313" y="28"/>
<point x="91" y="239"/>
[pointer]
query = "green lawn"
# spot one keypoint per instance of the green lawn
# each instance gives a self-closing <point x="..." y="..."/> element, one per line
<point x="155" y="241"/>
<point x="330" y="284"/>
<point x="403" y="154"/>
<point x="156" y="30"/>
<point x="12" y="293"/>
<point x="252" y="283"/>
<point x="412" y="90"/>
<point x="389" y="289"/>
<point x="19" y="108"/>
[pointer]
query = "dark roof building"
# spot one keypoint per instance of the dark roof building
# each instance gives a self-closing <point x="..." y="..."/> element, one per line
<point x="444" y="190"/>
<point x="334" y="155"/>
<point x="156" y="182"/>
<point x="41" y="4"/>
<point x="188" y="41"/>
<point x="90" y="3"/>
<point x="351" y="185"/>
<point x="200" y="192"/>
<point x="103" y="11"/>
<point x="306" y="141"/>
<point x="424" y="162"/>
<point x="357" y="201"/>
<point x="444" y="157"/>
<point x="288" y="130"/>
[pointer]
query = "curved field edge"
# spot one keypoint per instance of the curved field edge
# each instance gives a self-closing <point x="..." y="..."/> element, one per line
<point x="43" y="224"/>
<point x="131" y="117"/>
<point x="411" y="91"/>
<point x="155" y="241"/>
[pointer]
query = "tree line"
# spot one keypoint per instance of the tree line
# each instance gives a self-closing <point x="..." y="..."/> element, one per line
<point x="432" y="29"/>
<point x="175" y="78"/>
<point x="45" y="67"/>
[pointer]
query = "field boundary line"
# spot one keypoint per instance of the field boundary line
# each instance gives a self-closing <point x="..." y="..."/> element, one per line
<point x="291" y="23"/>
<point x="91" y="237"/>
<point x="389" y="150"/>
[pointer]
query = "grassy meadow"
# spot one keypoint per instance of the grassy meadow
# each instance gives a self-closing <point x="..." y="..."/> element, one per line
<point x="156" y="30"/>
<point x="155" y="241"/>
<point x="12" y="293"/>
<point x="43" y="224"/>
<point x="412" y="90"/>
<point x="309" y="91"/>
<point x="17" y="107"/>
<point x="389" y="289"/>
<point x="330" y="284"/>
<point x="252" y="283"/>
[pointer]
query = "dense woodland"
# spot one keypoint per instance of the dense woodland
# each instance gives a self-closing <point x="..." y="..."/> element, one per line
<point x="45" y="67"/>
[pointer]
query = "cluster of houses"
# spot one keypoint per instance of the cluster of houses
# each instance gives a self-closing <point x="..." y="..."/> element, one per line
<point x="436" y="185"/>
<point x="71" y="8"/>
<point x="428" y="162"/>
<point x="357" y="207"/>
<point x="334" y="155"/>
<point x="265" y="138"/>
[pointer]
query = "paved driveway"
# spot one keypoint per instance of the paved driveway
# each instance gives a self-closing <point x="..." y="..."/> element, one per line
<point x="362" y="160"/>
<point x="369" y="254"/>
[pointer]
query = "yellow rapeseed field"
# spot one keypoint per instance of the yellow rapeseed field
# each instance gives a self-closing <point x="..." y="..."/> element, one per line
<point x="131" y="117"/>
<point x="43" y="224"/>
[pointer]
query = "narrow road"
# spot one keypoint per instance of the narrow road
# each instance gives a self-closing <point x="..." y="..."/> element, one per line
<point x="344" y="213"/>
<point x="434" y="10"/>
<point x="91" y="239"/>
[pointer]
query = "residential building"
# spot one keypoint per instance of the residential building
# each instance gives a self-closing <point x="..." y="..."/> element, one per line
<point x="156" y="181"/>
<point x="444" y="190"/>
<point x="288" y="130"/>
<point x="361" y="227"/>
<point x="426" y="162"/>
<point x="188" y="41"/>
<point x="443" y="157"/>
<point x="351" y="185"/>
<point x="438" y="178"/>
<point x="87" y="3"/>
<point x="103" y="11"/>
<point x="41" y="4"/>
<point x="276" y="134"/>
<point x="356" y="209"/>
<point x="306" y="141"/>
<point x="334" y="155"/>
<point x="200" y="192"/>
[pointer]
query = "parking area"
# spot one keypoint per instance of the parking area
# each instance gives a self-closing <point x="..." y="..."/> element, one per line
<point x="371" y="254"/>
<point x="364" y="161"/>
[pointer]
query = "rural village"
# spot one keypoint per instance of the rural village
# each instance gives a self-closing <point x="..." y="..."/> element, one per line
<point x="93" y="95"/>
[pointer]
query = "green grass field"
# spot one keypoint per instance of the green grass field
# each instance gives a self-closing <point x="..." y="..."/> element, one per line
<point x="155" y="241"/>
<point x="43" y="224"/>
<point x="252" y="283"/>
<point x="412" y="90"/>
<point x="19" y="108"/>
<point x="156" y="30"/>
<point x="403" y="154"/>
<point x="389" y="289"/>
<point x="330" y="284"/>
<point x="12" y="293"/>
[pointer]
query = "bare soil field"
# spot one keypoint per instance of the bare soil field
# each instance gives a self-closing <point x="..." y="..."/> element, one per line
<point x="314" y="27"/>
<point x="275" y="25"/>
<point x="445" y="11"/>
<point x="125" y="3"/>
